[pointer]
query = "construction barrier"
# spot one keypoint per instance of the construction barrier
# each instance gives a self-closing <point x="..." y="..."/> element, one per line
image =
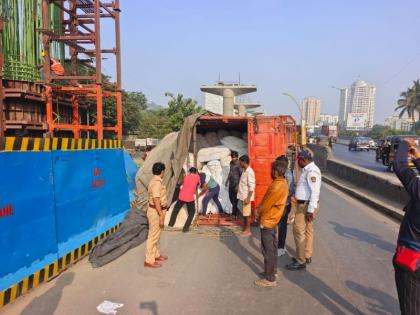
<point x="58" y="198"/>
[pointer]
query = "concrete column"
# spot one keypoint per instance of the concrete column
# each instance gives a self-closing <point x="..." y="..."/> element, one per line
<point x="241" y="110"/>
<point x="228" y="101"/>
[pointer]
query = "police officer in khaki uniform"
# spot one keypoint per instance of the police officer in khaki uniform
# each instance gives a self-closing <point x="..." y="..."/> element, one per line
<point x="158" y="204"/>
<point x="307" y="199"/>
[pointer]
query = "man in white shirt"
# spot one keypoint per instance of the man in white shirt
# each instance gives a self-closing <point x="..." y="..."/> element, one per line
<point x="246" y="191"/>
<point x="307" y="199"/>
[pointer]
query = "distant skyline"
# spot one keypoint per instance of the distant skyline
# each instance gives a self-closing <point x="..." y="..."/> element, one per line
<point x="300" y="47"/>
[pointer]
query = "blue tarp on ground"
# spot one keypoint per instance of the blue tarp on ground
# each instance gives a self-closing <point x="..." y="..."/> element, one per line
<point x="27" y="222"/>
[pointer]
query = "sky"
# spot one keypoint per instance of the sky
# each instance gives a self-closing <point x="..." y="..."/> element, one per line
<point x="301" y="47"/>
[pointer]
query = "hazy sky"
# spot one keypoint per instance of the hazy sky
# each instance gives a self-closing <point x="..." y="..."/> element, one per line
<point x="301" y="47"/>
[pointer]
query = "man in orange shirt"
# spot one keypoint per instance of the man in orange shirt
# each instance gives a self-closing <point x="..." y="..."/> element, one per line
<point x="269" y="213"/>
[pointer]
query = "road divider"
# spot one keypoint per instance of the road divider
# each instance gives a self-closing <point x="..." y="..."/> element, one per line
<point x="381" y="192"/>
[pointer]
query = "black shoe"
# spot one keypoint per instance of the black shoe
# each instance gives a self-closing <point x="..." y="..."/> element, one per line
<point x="295" y="266"/>
<point x="308" y="260"/>
<point x="185" y="230"/>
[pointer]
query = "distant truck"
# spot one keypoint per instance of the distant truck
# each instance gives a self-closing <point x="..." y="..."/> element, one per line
<point x="330" y="132"/>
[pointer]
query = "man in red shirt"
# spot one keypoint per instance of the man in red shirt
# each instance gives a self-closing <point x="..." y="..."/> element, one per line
<point x="186" y="196"/>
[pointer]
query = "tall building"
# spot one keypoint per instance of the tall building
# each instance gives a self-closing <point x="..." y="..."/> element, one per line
<point x="344" y="107"/>
<point x="357" y="106"/>
<point x="326" y="119"/>
<point x="213" y="103"/>
<point x="397" y="123"/>
<point x="311" y="107"/>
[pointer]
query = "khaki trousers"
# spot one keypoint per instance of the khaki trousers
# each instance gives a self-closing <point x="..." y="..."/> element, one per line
<point x="303" y="232"/>
<point x="152" y="243"/>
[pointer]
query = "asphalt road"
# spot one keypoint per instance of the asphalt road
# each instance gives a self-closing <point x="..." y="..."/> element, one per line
<point x="364" y="159"/>
<point x="351" y="273"/>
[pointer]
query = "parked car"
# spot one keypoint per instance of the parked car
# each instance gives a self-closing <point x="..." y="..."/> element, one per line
<point x="359" y="143"/>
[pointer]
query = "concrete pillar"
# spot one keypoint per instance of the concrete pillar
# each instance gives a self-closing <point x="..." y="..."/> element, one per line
<point x="228" y="101"/>
<point x="241" y="110"/>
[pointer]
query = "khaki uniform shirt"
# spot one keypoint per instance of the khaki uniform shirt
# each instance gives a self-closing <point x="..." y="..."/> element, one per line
<point x="156" y="189"/>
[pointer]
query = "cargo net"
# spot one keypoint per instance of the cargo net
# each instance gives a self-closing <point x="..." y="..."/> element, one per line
<point x="211" y="231"/>
<point x="213" y="158"/>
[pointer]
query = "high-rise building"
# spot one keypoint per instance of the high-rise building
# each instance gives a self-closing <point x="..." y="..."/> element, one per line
<point x="344" y="107"/>
<point x="311" y="107"/>
<point x="357" y="106"/>
<point x="213" y="103"/>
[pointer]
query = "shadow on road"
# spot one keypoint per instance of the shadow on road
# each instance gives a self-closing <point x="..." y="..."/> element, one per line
<point x="320" y="291"/>
<point x="382" y="303"/>
<point x="362" y="236"/>
<point x="151" y="306"/>
<point x="248" y="258"/>
<point x="48" y="302"/>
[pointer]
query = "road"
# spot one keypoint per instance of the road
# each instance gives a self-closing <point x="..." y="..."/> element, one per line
<point x="362" y="158"/>
<point x="351" y="273"/>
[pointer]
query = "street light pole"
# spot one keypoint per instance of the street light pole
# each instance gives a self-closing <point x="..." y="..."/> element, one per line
<point x="302" y="120"/>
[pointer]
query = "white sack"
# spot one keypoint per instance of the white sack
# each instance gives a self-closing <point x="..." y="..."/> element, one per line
<point x="212" y="139"/>
<point x="221" y="133"/>
<point x="201" y="142"/>
<point x="234" y="143"/>
<point x="189" y="162"/>
<point x="214" y="153"/>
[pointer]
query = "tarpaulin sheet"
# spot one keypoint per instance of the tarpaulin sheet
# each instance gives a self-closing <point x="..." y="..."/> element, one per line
<point x="131" y="171"/>
<point x="27" y="219"/>
<point x="91" y="194"/>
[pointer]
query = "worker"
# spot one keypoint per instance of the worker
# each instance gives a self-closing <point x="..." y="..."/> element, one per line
<point x="232" y="181"/>
<point x="189" y="187"/>
<point x="56" y="67"/>
<point x="269" y="213"/>
<point x="158" y="204"/>
<point x="246" y="191"/>
<point x="307" y="199"/>
<point x="407" y="258"/>
<point x="281" y="244"/>
<point x="211" y="189"/>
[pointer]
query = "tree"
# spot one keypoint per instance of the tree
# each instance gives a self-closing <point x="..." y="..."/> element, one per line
<point x="153" y="124"/>
<point x="132" y="105"/>
<point x="410" y="102"/>
<point x="179" y="108"/>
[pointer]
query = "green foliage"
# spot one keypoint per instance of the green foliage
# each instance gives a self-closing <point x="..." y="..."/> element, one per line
<point x="178" y="109"/>
<point x="410" y="102"/>
<point x="160" y="122"/>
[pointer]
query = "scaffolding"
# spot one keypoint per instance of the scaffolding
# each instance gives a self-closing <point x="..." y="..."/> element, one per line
<point x="81" y="34"/>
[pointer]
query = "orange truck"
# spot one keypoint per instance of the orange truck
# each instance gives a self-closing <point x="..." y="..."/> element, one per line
<point x="268" y="138"/>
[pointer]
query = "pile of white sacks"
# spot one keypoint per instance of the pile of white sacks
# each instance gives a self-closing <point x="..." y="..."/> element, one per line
<point x="213" y="158"/>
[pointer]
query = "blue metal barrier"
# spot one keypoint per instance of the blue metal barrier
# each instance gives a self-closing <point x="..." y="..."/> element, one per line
<point x="56" y="202"/>
<point x="27" y="218"/>
<point x="91" y="195"/>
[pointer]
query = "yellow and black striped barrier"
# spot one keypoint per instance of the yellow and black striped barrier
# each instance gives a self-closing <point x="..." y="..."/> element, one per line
<point x="25" y="144"/>
<point x="52" y="270"/>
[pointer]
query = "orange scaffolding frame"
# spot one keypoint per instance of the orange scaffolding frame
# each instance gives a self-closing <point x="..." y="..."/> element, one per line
<point x="81" y="33"/>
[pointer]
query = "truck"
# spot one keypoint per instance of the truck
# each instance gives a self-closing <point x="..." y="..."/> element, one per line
<point x="267" y="136"/>
<point x="330" y="132"/>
